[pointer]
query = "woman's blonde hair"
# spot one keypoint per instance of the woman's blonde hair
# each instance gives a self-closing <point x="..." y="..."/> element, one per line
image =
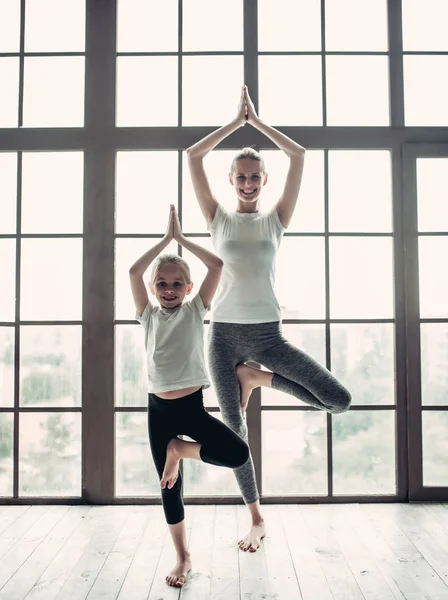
<point x="173" y="259"/>
<point x="248" y="152"/>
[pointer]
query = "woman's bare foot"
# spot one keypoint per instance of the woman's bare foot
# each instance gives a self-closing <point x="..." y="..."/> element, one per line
<point x="250" y="379"/>
<point x="178" y="576"/>
<point x="171" y="470"/>
<point x="253" y="539"/>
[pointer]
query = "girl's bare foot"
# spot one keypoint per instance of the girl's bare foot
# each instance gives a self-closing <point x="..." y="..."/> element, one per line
<point x="250" y="379"/>
<point x="253" y="539"/>
<point x="171" y="470"/>
<point x="178" y="576"/>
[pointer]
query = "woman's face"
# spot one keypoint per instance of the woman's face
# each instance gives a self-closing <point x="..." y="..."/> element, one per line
<point x="248" y="180"/>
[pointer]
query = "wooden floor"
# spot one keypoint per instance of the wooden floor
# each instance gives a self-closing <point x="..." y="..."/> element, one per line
<point x="311" y="552"/>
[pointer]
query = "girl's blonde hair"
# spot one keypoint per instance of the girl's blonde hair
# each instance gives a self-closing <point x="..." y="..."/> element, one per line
<point x="248" y="152"/>
<point x="174" y="259"/>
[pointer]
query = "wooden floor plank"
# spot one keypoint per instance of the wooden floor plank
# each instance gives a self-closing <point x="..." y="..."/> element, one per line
<point x="10" y="515"/>
<point x="112" y="573"/>
<point x="427" y="579"/>
<point x="23" y="580"/>
<point x="19" y="526"/>
<point x="254" y="579"/>
<point x="282" y="575"/>
<point x="140" y="575"/>
<point x="201" y="548"/>
<point x="339" y="519"/>
<point x="341" y="580"/>
<point x="55" y="575"/>
<point x="225" y="584"/>
<point x="81" y="579"/>
<point x="310" y="575"/>
<point x="18" y="554"/>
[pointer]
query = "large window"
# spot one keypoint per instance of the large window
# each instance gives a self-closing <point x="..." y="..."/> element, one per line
<point x="99" y="102"/>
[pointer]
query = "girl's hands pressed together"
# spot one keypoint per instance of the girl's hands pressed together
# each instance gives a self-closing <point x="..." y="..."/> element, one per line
<point x="177" y="230"/>
<point x="169" y="228"/>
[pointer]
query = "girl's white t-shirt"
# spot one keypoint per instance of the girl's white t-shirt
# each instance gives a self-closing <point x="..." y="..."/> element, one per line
<point x="174" y="341"/>
<point x="247" y="243"/>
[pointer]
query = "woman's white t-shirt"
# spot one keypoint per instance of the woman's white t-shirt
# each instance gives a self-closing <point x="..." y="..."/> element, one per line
<point x="247" y="243"/>
<point x="174" y="341"/>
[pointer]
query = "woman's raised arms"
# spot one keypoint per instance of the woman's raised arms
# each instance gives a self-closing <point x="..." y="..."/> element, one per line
<point x="196" y="153"/>
<point x="296" y="154"/>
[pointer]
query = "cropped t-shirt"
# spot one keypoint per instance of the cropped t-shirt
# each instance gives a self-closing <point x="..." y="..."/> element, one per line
<point x="174" y="341"/>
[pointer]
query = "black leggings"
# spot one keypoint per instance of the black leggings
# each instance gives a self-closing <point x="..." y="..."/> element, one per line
<point x="220" y="445"/>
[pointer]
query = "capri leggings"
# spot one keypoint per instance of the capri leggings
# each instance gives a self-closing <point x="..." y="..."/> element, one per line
<point x="220" y="445"/>
<point x="295" y="373"/>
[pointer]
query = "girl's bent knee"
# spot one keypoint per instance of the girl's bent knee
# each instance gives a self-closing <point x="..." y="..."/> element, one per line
<point x="241" y="455"/>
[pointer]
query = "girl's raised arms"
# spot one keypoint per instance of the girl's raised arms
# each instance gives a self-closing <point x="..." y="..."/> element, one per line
<point x="139" y="267"/>
<point x="211" y="261"/>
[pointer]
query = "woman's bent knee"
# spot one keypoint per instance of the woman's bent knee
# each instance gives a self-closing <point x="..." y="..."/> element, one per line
<point x="343" y="403"/>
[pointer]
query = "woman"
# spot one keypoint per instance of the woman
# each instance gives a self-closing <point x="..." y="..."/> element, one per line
<point x="246" y="321"/>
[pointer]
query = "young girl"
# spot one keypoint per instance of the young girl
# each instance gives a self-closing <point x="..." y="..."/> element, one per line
<point x="246" y="321"/>
<point x="174" y="341"/>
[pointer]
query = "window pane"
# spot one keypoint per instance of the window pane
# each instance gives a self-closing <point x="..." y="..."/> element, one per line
<point x="50" y="366"/>
<point x="362" y="358"/>
<point x="425" y="93"/>
<point x="50" y="454"/>
<point x="52" y="192"/>
<point x="432" y="192"/>
<point x="357" y="90"/>
<point x="434" y="363"/>
<point x="301" y="290"/>
<point x="8" y="192"/>
<point x="435" y="448"/>
<point x="360" y="196"/>
<point x="135" y="473"/>
<point x="309" y="213"/>
<point x="223" y="75"/>
<point x="9" y="98"/>
<point x="9" y="27"/>
<point x="147" y="26"/>
<point x="6" y="368"/>
<point x="8" y="279"/>
<point x="361" y="278"/>
<point x="433" y="288"/>
<point x="424" y="25"/>
<point x="309" y="339"/>
<point x="217" y="165"/>
<point x="6" y="454"/>
<point x="55" y="26"/>
<point x="54" y="91"/>
<point x="364" y="453"/>
<point x="300" y="31"/>
<point x="282" y="101"/>
<point x="51" y="279"/>
<point x="131" y="377"/>
<point x="127" y="251"/>
<point x="146" y="186"/>
<point x="353" y="25"/>
<point x="294" y="453"/>
<point x="146" y="91"/>
<point x="202" y="479"/>
<point x="212" y="25"/>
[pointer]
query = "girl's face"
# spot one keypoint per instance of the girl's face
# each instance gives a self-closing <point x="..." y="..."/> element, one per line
<point x="248" y="180"/>
<point x="170" y="287"/>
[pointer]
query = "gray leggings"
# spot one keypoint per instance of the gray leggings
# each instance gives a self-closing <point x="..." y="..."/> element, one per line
<point x="296" y="373"/>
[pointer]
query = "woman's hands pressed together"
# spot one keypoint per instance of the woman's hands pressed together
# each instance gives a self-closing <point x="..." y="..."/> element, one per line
<point x="246" y="108"/>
